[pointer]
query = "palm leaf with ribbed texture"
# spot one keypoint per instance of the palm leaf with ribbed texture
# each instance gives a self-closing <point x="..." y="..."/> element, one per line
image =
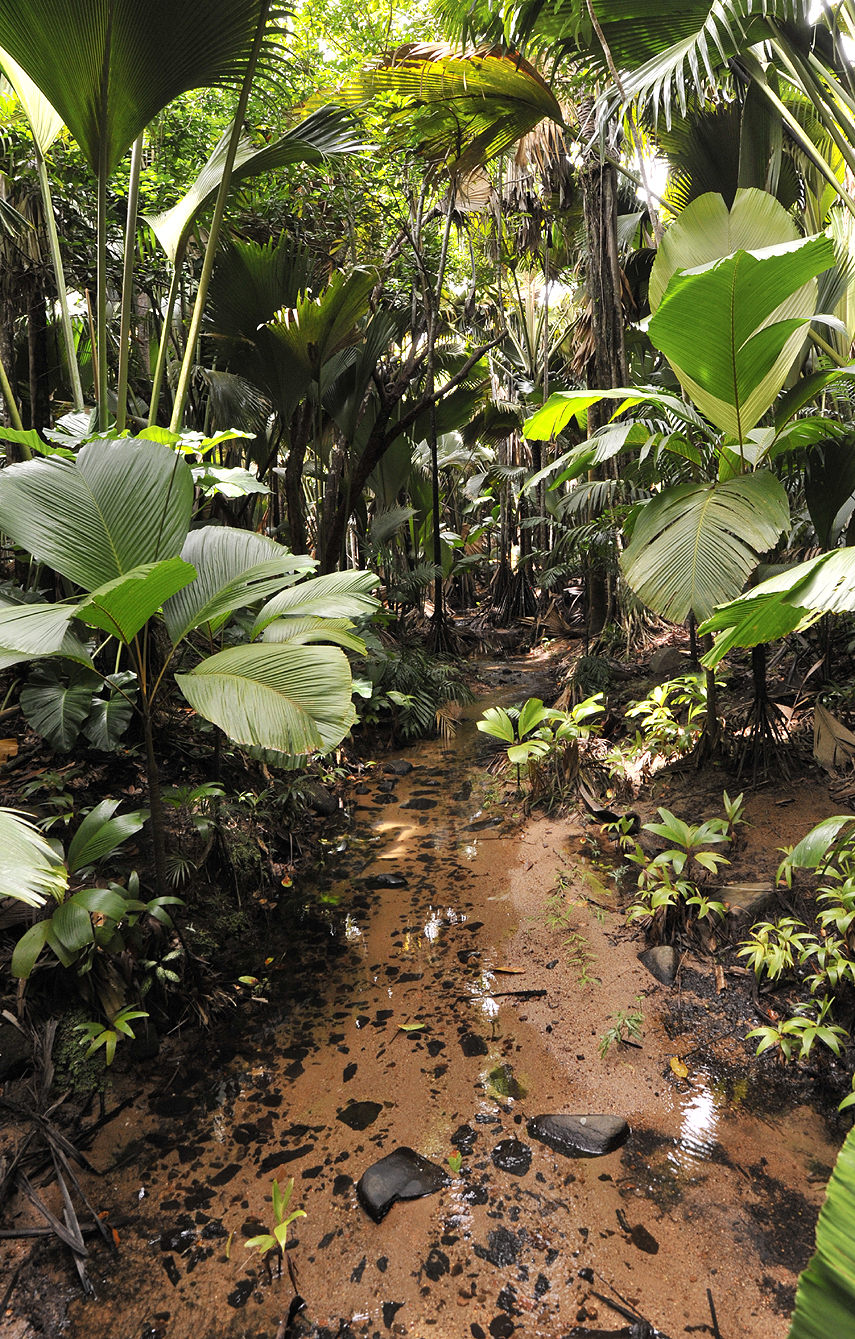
<point x="117" y="506"/>
<point x="315" y="328"/>
<point x="464" y="109"/>
<point x="122" y="606"/>
<point x="45" y="123"/>
<point x="705" y="232"/>
<point x="695" y="545"/>
<point x="314" y="628"/>
<point x="825" y="1299"/>
<point x="292" y="698"/>
<point x="234" y="568"/>
<point x="674" y="67"/>
<point x="336" y="595"/>
<point x="753" y="327"/>
<point x="109" y="66"/>
<point x="251" y="283"/>
<point x="327" y="132"/>
<point x="34" y="630"/>
<point x="792" y="599"/>
<point x="29" y="869"/>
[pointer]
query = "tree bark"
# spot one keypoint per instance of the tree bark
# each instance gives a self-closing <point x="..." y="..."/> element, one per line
<point x="609" y="369"/>
<point x="38" y="360"/>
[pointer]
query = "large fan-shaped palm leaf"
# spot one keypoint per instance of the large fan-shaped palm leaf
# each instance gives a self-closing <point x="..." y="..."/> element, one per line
<point x="735" y="296"/>
<point x="291" y="698"/>
<point x="695" y="545"/>
<point x="825" y="1300"/>
<point x="464" y="109"/>
<point x="29" y="869"/>
<point x="792" y="599"/>
<point x="109" y="66"/>
<point x="117" y="506"/>
<point x="327" y="132"/>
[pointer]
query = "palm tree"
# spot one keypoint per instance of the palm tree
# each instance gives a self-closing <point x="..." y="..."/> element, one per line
<point x="109" y="66"/>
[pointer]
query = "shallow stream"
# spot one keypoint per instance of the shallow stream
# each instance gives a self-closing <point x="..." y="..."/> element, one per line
<point x="330" y="1075"/>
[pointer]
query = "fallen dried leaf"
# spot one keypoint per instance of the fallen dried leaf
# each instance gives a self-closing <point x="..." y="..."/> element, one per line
<point x="719" y="977"/>
<point x="8" y="749"/>
<point x="678" y="1068"/>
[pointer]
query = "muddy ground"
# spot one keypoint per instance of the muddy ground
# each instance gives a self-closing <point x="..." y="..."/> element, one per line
<point x="501" y="935"/>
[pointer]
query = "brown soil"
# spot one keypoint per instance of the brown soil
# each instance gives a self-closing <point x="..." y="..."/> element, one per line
<point x="717" y="1187"/>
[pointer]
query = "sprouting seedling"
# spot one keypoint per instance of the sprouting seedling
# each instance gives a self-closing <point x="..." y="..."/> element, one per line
<point x="267" y="1243"/>
<point x="455" y="1162"/>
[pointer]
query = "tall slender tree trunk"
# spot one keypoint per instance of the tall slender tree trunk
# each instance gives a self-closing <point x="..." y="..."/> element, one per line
<point x="599" y="200"/>
<point x="38" y="359"/>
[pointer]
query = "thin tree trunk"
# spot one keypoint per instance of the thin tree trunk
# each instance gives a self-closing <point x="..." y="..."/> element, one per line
<point x="38" y="359"/>
<point x="609" y="370"/>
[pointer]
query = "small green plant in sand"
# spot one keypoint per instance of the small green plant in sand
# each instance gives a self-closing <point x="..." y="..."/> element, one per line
<point x="624" y="1031"/>
<point x="269" y="1243"/>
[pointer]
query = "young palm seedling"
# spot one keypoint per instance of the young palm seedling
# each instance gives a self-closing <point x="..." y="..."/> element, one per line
<point x="269" y="1243"/>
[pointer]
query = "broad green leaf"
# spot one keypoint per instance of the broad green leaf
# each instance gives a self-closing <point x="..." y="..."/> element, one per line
<point x="28" y="948"/>
<point x="291" y="698"/>
<point x="336" y="595"/>
<point x="705" y="232"/>
<point x="695" y="545"/>
<point x="119" y="505"/>
<point x="316" y="328"/>
<point x="234" y="568"/>
<point x="101" y="832"/>
<point x="57" y="699"/>
<point x="30" y="438"/>
<point x="236" y="482"/>
<point x="792" y="599"/>
<point x="102" y="900"/>
<point x="35" y="630"/>
<point x="497" y="722"/>
<point x="564" y="406"/>
<point x="734" y="373"/>
<point x="29" y="869"/>
<point x="110" y="716"/>
<point x="825" y="1299"/>
<point x="125" y="604"/>
<point x="71" y="924"/>
<point x="44" y="121"/>
<point x="109" y="66"/>
<point x="326" y="132"/>
<point x="312" y="628"/>
<point x="532" y="714"/>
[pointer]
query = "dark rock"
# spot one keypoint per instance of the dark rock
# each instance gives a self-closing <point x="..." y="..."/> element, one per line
<point x="402" y="1175"/>
<point x="386" y="881"/>
<point x="398" y="767"/>
<point x="319" y="800"/>
<point x="464" y="1137"/>
<point x="668" y="663"/>
<point x="661" y="962"/>
<point x="471" y="1045"/>
<point x="511" y="1155"/>
<point x="747" y="900"/>
<point x="359" y="1115"/>
<point x="644" y="1240"/>
<point x="501" y="1250"/>
<point x="579" y="1136"/>
<point x="419" y="802"/>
